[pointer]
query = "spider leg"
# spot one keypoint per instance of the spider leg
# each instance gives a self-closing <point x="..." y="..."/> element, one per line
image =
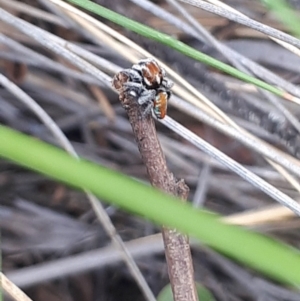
<point x="133" y="86"/>
<point x="134" y="75"/>
<point x="143" y="96"/>
<point x="133" y="89"/>
<point x="148" y="108"/>
<point x="167" y="83"/>
<point x="147" y="96"/>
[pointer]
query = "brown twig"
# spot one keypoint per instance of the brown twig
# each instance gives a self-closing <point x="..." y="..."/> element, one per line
<point x="177" y="247"/>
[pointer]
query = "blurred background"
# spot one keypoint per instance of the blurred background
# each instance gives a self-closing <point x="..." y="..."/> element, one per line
<point x="53" y="246"/>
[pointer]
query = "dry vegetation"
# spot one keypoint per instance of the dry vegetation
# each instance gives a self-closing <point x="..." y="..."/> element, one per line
<point x="53" y="246"/>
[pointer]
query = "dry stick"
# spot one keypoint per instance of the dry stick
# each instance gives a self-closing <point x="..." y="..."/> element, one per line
<point x="11" y="289"/>
<point x="177" y="248"/>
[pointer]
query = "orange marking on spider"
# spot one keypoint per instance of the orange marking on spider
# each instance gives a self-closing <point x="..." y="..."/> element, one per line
<point x="147" y="82"/>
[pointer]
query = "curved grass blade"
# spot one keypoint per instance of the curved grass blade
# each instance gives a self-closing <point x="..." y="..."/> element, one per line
<point x="285" y="13"/>
<point x="264" y="254"/>
<point x="173" y="43"/>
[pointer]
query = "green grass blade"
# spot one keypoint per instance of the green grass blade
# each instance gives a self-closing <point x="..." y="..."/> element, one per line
<point x="286" y="14"/>
<point x="264" y="254"/>
<point x="173" y="43"/>
<point x="1" y="286"/>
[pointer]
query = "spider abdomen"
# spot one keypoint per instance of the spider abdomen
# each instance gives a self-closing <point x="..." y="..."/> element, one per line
<point x="161" y="104"/>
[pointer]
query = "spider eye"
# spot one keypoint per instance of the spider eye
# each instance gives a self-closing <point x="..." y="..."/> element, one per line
<point x="133" y="93"/>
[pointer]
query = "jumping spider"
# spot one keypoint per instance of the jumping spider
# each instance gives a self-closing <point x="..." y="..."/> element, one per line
<point x="147" y="82"/>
